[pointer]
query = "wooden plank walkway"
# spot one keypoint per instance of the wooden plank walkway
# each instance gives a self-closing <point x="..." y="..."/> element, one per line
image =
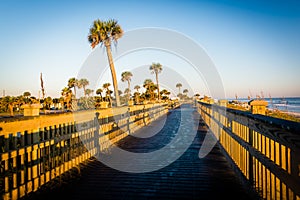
<point x="187" y="178"/>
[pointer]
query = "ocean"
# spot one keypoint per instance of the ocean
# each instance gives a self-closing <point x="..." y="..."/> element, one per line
<point x="285" y="104"/>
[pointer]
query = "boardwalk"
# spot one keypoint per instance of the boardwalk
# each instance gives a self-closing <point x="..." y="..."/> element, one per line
<point x="187" y="178"/>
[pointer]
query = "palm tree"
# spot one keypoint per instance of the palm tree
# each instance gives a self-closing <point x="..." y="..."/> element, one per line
<point x="147" y="83"/>
<point x="89" y="91"/>
<point x="126" y="76"/>
<point x="67" y="94"/>
<point x="78" y="84"/>
<point x="185" y="91"/>
<point x="26" y="95"/>
<point x="83" y="83"/>
<point x="137" y="94"/>
<point x="137" y="87"/>
<point x="120" y="93"/>
<point x="179" y="85"/>
<point x="108" y="94"/>
<point x="127" y="91"/>
<point x="150" y="87"/>
<point x="99" y="92"/>
<point x="168" y="94"/>
<point x="156" y="68"/>
<point x="104" y="32"/>
<point x="19" y="101"/>
<point x="72" y="83"/>
<point x="11" y="104"/>
<point x="164" y="92"/>
<point x="106" y="87"/>
<point x="48" y="101"/>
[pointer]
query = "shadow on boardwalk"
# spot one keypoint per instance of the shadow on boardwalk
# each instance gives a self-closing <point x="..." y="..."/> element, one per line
<point x="187" y="178"/>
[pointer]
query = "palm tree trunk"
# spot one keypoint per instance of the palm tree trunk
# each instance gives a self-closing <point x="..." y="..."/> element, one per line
<point x="113" y="72"/>
<point x="110" y="101"/>
<point x="84" y="90"/>
<point x="11" y="109"/>
<point x="75" y="91"/>
<point x="158" y="94"/>
<point x="128" y="90"/>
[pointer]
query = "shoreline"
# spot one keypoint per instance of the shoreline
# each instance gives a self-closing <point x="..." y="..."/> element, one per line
<point x="291" y="108"/>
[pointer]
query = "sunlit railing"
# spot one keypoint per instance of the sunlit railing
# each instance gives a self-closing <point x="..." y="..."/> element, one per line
<point x="264" y="150"/>
<point x="39" y="150"/>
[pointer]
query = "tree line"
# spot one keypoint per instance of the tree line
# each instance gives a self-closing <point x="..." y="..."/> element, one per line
<point x="102" y="33"/>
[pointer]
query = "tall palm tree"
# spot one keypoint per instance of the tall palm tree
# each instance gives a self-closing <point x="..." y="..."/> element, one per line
<point x="126" y="76"/>
<point x="104" y="32"/>
<point x="156" y="68"/>
<point x="83" y="83"/>
<point x="179" y="85"/>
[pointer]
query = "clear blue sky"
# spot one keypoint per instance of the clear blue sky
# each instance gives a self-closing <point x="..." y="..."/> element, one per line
<point x="255" y="45"/>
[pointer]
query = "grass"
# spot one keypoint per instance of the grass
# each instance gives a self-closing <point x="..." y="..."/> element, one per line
<point x="282" y="115"/>
<point x="271" y="113"/>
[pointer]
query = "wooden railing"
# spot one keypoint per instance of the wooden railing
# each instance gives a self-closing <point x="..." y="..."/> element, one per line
<point x="264" y="150"/>
<point x="41" y="149"/>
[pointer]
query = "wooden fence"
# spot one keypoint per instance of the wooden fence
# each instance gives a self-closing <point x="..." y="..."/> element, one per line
<point x="40" y="149"/>
<point x="264" y="150"/>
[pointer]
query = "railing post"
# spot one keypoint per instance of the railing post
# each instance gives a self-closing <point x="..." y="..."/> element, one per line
<point x="6" y="143"/>
<point x="22" y="139"/>
<point x="250" y="158"/>
<point x="128" y="120"/>
<point x="295" y="166"/>
<point x="96" y="133"/>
